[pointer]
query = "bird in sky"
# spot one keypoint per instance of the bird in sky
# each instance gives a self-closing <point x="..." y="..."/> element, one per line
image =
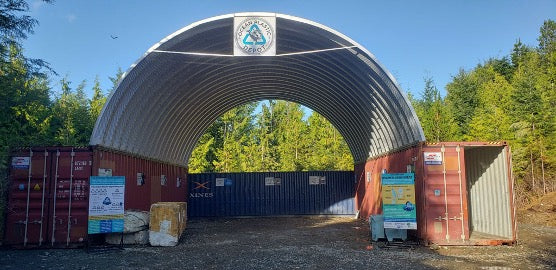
<point x="113" y="37"/>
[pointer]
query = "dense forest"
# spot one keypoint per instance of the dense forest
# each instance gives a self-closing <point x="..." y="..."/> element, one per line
<point x="512" y="98"/>
<point x="275" y="137"/>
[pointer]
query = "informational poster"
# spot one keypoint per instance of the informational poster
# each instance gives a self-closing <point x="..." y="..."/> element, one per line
<point x="433" y="158"/>
<point x="106" y="204"/>
<point x="398" y="201"/>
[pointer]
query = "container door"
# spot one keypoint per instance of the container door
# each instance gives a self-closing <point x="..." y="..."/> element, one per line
<point x="26" y="221"/>
<point x="69" y="197"/>
<point x="445" y="195"/>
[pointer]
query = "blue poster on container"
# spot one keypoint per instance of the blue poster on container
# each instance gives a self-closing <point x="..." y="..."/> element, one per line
<point x="398" y="201"/>
<point x="106" y="204"/>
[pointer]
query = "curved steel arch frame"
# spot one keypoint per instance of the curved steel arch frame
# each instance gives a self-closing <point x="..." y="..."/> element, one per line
<point x="167" y="99"/>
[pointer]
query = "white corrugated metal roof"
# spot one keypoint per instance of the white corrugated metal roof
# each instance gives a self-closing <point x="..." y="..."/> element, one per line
<point x="167" y="99"/>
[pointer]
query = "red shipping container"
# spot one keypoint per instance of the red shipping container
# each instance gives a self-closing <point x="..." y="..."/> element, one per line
<point x="147" y="181"/>
<point x="49" y="197"/>
<point x="464" y="191"/>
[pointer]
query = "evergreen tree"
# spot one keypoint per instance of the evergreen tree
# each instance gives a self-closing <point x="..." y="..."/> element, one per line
<point x="200" y="160"/>
<point x="266" y="138"/>
<point x="491" y="120"/>
<point x="547" y="38"/>
<point x="546" y="80"/>
<point x="97" y="101"/>
<point x="433" y="114"/>
<point x="71" y="118"/>
<point x="526" y="115"/>
<point x="328" y="151"/>
<point x="462" y="100"/>
<point x="24" y="103"/>
<point x="518" y="53"/>
<point x="116" y="79"/>
<point x="24" y="93"/>
<point x="291" y="132"/>
<point x="204" y="154"/>
<point x="16" y="25"/>
<point x="237" y="125"/>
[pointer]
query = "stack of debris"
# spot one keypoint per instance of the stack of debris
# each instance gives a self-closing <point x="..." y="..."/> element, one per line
<point x="136" y="229"/>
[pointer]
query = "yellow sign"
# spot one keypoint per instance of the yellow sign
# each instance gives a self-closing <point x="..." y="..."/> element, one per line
<point x="398" y="194"/>
<point x="398" y="201"/>
<point x="37" y="187"/>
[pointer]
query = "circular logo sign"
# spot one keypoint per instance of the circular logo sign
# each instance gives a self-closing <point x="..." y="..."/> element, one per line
<point x="254" y="36"/>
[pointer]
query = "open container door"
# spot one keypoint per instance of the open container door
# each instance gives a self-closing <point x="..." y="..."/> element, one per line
<point x="490" y="195"/>
<point x="468" y="194"/>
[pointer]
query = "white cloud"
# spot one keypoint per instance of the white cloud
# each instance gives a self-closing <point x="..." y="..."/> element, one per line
<point x="71" y="17"/>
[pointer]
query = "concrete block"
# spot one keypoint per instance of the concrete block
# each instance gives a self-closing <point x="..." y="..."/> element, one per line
<point x="167" y="223"/>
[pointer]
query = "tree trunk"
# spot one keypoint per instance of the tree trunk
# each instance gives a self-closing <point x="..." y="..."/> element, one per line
<point x="531" y="153"/>
<point x="532" y="170"/>
<point x="542" y="169"/>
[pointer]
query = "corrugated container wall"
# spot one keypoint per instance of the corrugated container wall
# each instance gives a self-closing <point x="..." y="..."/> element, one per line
<point x="49" y="191"/>
<point x="368" y="199"/>
<point x="147" y="181"/>
<point x="490" y="196"/>
<point x="465" y="199"/>
<point x="48" y="197"/>
<point x="271" y="194"/>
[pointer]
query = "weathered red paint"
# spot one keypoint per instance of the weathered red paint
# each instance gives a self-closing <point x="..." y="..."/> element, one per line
<point x="441" y="191"/>
<point x="58" y="188"/>
<point x="55" y="214"/>
<point x="141" y="197"/>
<point x="368" y="193"/>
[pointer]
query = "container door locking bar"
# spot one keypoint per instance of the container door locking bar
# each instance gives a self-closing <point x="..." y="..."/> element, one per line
<point x="43" y="191"/>
<point x="70" y="195"/>
<point x="460" y="195"/>
<point x="28" y="194"/>
<point x="54" y="203"/>
<point x="443" y="150"/>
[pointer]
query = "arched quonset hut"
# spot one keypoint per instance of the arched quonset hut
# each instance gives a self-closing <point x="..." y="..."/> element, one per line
<point x="167" y="99"/>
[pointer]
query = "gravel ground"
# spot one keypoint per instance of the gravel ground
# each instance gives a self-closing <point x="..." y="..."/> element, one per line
<point x="292" y="243"/>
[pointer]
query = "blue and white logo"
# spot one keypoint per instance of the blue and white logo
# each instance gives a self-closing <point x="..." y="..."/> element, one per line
<point x="254" y="36"/>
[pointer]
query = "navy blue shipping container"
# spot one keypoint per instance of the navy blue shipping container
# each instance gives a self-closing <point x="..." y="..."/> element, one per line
<point x="271" y="194"/>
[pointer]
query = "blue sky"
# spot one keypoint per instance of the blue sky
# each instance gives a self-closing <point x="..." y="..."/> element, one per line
<point x="412" y="39"/>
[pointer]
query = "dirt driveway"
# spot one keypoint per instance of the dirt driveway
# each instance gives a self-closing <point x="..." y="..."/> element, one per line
<point x="293" y="243"/>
